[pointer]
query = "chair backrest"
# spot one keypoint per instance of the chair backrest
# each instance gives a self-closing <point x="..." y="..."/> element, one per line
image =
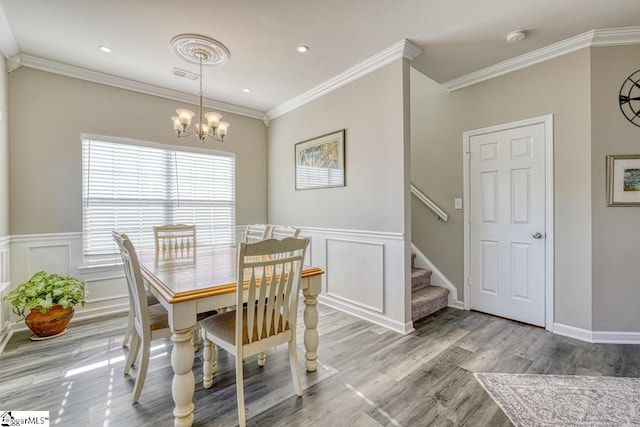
<point x="255" y="233"/>
<point x="135" y="284"/>
<point x="270" y="270"/>
<point x="282" y="231"/>
<point x="179" y="237"/>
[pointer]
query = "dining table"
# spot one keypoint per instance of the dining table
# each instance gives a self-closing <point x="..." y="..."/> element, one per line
<point x="201" y="279"/>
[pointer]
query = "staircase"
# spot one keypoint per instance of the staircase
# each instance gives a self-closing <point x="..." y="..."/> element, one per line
<point x="426" y="299"/>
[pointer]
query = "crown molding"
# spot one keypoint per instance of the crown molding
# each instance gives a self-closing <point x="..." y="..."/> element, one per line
<point x="402" y="49"/>
<point x="47" y="65"/>
<point x="601" y="37"/>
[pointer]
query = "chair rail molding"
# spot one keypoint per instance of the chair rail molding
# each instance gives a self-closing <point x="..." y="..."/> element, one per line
<point x="429" y="203"/>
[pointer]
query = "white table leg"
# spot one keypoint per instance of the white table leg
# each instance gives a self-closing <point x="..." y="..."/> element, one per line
<point x="210" y="363"/>
<point x="184" y="385"/>
<point x="311" y="339"/>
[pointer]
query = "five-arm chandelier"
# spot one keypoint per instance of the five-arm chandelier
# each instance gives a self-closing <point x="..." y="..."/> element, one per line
<point x="202" y="51"/>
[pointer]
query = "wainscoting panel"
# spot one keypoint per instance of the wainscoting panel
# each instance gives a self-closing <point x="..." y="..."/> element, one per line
<point x="50" y="258"/>
<point x="355" y="272"/>
<point x="367" y="274"/>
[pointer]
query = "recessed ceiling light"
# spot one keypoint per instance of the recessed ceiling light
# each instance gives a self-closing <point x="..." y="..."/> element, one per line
<point x="246" y="90"/>
<point x="515" y="36"/>
<point x="105" y="49"/>
<point x="302" y="48"/>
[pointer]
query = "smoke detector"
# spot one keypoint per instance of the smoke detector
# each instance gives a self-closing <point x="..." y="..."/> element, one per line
<point x="515" y="36"/>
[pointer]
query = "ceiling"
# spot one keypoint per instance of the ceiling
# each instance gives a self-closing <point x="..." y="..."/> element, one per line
<point x="458" y="37"/>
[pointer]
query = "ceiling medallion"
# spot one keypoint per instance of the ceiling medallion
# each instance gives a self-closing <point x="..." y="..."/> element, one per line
<point x="197" y="49"/>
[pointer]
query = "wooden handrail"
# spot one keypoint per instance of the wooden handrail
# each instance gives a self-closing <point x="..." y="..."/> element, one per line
<point x="427" y="201"/>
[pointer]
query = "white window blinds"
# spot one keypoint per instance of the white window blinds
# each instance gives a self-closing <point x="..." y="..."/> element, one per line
<point x="131" y="188"/>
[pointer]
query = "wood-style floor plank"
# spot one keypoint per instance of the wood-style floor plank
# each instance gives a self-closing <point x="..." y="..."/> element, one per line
<point x="368" y="375"/>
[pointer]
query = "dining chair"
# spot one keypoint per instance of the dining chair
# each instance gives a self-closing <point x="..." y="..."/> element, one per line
<point x="270" y="270"/>
<point x="149" y="322"/>
<point x="177" y="238"/>
<point x="172" y="240"/>
<point x="255" y="233"/>
<point x="282" y="231"/>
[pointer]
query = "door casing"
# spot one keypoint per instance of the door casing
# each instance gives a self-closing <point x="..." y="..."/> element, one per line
<point x="547" y="120"/>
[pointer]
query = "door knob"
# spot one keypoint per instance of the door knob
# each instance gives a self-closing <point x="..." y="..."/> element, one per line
<point x="537" y="235"/>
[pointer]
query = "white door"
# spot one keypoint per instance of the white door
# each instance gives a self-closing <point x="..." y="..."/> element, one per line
<point x="507" y="223"/>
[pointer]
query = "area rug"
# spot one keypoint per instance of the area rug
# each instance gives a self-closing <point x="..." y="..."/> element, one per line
<point x="564" y="400"/>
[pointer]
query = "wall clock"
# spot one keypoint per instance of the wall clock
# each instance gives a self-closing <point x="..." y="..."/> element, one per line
<point x="630" y="98"/>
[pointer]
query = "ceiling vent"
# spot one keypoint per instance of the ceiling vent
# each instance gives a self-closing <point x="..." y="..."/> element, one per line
<point x="185" y="74"/>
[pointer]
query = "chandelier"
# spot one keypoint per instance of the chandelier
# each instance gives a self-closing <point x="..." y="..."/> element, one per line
<point x="206" y="51"/>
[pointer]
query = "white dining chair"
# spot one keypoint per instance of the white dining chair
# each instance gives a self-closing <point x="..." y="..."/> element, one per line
<point x="271" y="270"/>
<point x="255" y="233"/>
<point x="149" y="322"/>
<point x="176" y="238"/>
<point x="282" y="231"/>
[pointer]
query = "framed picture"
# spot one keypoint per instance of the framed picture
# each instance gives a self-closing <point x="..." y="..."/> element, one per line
<point x="320" y="162"/>
<point x="623" y="180"/>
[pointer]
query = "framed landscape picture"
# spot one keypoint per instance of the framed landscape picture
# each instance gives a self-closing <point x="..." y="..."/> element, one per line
<point x="320" y="162"/>
<point x="623" y="180"/>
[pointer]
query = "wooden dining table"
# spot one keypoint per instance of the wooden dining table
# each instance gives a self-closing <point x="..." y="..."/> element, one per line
<point x="202" y="279"/>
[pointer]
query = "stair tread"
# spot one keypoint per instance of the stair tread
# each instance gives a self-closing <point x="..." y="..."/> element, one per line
<point x="428" y="300"/>
<point x="429" y="291"/>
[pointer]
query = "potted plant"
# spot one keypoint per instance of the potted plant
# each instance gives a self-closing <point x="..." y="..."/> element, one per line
<point x="49" y="300"/>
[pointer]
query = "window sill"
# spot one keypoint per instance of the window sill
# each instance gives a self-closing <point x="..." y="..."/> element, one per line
<point x="100" y="267"/>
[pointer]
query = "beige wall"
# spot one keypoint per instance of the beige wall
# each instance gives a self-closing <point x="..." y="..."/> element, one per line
<point x="48" y="112"/>
<point x="561" y="87"/>
<point x="371" y="110"/>
<point x="616" y="235"/>
<point x="4" y="152"/>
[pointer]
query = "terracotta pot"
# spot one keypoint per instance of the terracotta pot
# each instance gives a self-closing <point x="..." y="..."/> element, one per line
<point x="50" y="323"/>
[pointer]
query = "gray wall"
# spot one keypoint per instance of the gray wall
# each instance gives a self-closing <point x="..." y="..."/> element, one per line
<point x="4" y="152"/>
<point x="48" y="112"/>
<point x="561" y="87"/>
<point x="371" y="110"/>
<point x="616" y="235"/>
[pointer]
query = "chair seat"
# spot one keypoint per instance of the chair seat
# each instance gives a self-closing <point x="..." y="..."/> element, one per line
<point x="223" y="326"/>
<point x="151" y="300"/>
<point x="158" y="317"/>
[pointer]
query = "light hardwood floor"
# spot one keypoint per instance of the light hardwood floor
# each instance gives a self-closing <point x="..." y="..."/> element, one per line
<point x="368" y="376"/>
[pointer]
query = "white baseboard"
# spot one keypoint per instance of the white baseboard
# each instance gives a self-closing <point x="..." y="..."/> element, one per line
<point x="369" y="316"/>
<point x="597" y="337"/>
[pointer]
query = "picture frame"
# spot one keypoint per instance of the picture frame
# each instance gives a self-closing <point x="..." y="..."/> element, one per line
<point x="623" y="180"/>
<point x="319" y="162"/>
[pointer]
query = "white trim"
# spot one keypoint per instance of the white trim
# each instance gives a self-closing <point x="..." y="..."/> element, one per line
<point x="401" y="49"/>
<point x="438" y="278"/>
<point x="600" y="37"/>
<point x="50" y="66"/>
<point x="573" y="332"/>
<point x="597" y="337"/>
<point x="549" y="208"/>
<point x="603" y="337"/>
<point x="345" y="232"/>
<point x="369" y="316"/>
<point x="27" y="238"/>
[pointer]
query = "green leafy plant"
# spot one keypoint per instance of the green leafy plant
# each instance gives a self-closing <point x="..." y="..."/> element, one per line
<point x="45" y="290"/>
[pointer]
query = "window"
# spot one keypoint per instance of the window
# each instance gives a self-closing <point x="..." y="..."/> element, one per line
<point x="130" y="188"/>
